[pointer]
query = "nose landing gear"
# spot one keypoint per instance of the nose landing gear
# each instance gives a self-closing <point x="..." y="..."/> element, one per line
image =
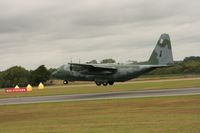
<point x="65" y="82"/>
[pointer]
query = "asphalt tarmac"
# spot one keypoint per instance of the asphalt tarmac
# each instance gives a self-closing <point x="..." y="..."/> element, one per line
<point x="98" y="96"/>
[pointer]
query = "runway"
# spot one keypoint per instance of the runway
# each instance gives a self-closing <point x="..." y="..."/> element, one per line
<point x="98" y="96"/>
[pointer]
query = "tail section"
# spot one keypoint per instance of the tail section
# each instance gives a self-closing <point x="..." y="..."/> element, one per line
<point x="162" y="53"/>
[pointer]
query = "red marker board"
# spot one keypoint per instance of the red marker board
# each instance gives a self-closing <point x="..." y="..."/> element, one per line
<point x="11" y="90"/>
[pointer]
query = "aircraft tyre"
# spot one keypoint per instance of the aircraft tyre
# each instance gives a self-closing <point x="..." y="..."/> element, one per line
<point x="111" y="83"/>
<point x="98" y="83"/>
<point x="105" y="83"/>
<point x="65" y="82"/>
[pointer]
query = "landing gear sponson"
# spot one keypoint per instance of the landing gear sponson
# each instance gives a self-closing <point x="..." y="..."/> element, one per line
<point x="98" y="83"/>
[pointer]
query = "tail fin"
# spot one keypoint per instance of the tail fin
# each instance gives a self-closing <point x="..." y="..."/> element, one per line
<point x="162" y="53"/>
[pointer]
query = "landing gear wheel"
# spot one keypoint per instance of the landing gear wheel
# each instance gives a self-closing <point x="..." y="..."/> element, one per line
<point x="65" y="82"/>
<point x="98" y="83"/>
<point x="105" y="83"/>
<point x="111" y="83"/>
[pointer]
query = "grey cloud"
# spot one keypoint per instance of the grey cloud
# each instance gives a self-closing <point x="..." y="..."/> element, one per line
<point x="51" y="32"/>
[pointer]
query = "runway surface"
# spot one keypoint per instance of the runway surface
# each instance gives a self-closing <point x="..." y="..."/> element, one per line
<point x="98" y="96"/>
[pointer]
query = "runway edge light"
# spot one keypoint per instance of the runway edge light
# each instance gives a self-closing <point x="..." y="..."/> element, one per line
<point x="29" y="87"/>
<point x="40" y="86"/>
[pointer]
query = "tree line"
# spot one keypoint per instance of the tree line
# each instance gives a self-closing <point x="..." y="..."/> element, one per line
<point x="18" y="75"/>
<point x="190" y="65"/>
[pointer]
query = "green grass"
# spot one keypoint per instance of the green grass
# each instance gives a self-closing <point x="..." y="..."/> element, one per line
<point x="179" y="114"/>
<point x="117" y="87"/>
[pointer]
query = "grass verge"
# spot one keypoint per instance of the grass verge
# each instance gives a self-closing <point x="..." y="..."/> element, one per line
<point x="180" y="114"/>
<point x="91" y="88"/>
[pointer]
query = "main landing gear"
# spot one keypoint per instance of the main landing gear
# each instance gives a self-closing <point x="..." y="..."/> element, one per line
<point x="104" y="83"/>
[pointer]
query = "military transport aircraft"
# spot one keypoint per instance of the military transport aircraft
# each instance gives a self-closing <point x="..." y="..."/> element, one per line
<point x="105" y="74"/>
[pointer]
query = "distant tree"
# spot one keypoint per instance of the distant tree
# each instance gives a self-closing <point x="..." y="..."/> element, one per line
<point x="92" y="62"/>
<point x="51" y="70"/>
<point x="104" y="61"/>
<point x="132" y="62"/>
<point x="2" y="81"/>
<point x="188" y="67"/>
<point x="192" y="67"/>
<point x="192" y="58"/>
<point x="41" y="74"/>
<point x="14" y="76"/>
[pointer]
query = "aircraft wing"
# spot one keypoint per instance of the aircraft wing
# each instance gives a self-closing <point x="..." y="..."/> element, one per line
<point x="92" y="69"/>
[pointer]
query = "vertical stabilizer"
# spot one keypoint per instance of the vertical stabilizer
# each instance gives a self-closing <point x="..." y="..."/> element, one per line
<point x="162" y="53"/>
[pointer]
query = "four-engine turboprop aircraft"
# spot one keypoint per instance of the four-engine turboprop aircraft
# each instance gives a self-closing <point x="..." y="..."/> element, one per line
<point x="109" y="73"/>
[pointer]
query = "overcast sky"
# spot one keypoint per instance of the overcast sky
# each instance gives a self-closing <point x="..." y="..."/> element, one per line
<point x="51" y="32"/>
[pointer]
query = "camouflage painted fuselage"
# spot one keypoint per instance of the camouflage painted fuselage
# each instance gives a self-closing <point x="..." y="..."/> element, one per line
<point x="123" y="73"/>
